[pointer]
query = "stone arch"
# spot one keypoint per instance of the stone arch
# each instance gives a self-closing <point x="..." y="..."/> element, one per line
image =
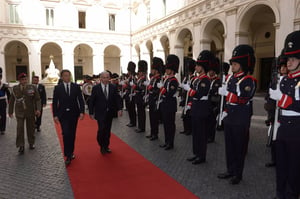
<point x="255" y="26"/>
<point x="164" y="40"/>
<point x="16" y="59"/>
<point x="112" y="54"/>
<point x="149" y="46"/>
<point x="138" y="51"/>
<point x="51" y="49"/>
<point x="83" y="61"/>
<point x="213" y="36"/>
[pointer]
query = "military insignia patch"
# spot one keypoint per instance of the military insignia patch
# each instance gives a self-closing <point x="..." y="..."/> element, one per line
<point x="290" y="44"/>
<point x="202" y="84"/>
<point x="247" y="88"/>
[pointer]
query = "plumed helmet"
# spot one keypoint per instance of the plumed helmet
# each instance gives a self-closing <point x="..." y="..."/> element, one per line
<point x="292" y="45"/>
<point x="226" y="67"/>
<point x="189" y="65"/>
<point x="244" y="55"/>
<point x="215" y="65"/>
<point x="282" y="59"/>
<point x="157" y="64"/>
<point x="207" y="60"/>
<point x="172" y="63"/>
<point x="114" y="76"/>
<point x="88" y="77"/>
<point x="131" y="67"/>
<point x="142" y="66"/>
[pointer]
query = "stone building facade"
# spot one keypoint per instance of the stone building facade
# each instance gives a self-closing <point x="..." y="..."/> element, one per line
<point x="88" y="36"/>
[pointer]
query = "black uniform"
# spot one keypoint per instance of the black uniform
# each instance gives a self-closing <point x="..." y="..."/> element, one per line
<point x="200" y="112"/>
<point x="168" y="107"/>
<point x="139" y="90"/>
<point x="186" y="114"/>
<point x="241" y="89"/>
<point x="4" y="97"/>
<point x="130" y="101"/>
<point x="154" y="113"/>
<point x="214" y="98"/>
<point x="42" y="91"/>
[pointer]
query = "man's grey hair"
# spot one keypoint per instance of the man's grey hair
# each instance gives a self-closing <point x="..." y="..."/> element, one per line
<point x="104" y="73"/>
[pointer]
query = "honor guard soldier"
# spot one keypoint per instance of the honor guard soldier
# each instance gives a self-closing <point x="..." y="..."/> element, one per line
<point x="128" y="86"/>
<point x="288" y="135"/>
<point x="239" y="92"/>
<point x="87" y="88"/>
<point x="201" y="109"/>
<point x="186" y="112"/>
<point x="270" y="105"/>
<point x="25" y="100"/>
<point x="4" y="97"/>
<point x="214" y="98"/>
<point x="153" y="92"/>
<point x="139" y="89"/>
<point x="167" y="101"/>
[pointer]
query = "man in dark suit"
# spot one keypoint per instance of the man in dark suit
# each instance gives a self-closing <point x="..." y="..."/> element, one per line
<point x="67" y="106"/>
<point x="42" y="91"/>
<point x="105" y="102"/>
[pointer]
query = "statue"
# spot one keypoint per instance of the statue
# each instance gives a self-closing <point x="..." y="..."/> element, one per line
<point x="51" y="73"/>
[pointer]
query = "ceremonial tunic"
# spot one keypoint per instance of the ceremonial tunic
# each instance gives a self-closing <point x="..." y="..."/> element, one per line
<point x="4" y="97"/>
<point x="200" y="113"/>
<point x="288" y="139"/>
<point x="241" y="89"/>
<point x="169" y="108"/>
<point x="139" y="89"/>
<point x="130" y="100"/>
<point x="154" y="113"/>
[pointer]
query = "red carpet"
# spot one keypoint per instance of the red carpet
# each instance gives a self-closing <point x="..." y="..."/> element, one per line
<point x="122" y="174"/>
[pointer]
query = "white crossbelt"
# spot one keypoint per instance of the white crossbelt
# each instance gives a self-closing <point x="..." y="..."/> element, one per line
<point x="289" y="113"/>
<point x="3" y="97"/>
<point x="202" y="98"/>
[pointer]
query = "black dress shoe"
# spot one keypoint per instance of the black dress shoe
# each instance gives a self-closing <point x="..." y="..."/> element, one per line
<point x="140" y="130"/>
<point x="68" y="161"/>
<point x="21" y="149"/>
<point x="235" y="180"/>
<point x="198" y="161"/>
<point x="38" y="129"/>
<point x="270" y="164"/>
<point x="31" y="146"/>
<point x="191" y="158"/>
<point x="225" y="175"/>
<point x="169" y="147"/>
<point x="108" y="150"/>
<point x="103" y="151"/>
<point x="182" y="132"/>
<point x="153" y="138"/>
<point x="162" y="145"/>
<point x="148" y="136"/>
<point x="2" y="132"/>
<point x="73" y="157"/>
<point x="130" y="125"/>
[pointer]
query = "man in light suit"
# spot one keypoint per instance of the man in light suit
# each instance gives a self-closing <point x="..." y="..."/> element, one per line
<point x="105" y="102"/>
<point x="67" y="107"/>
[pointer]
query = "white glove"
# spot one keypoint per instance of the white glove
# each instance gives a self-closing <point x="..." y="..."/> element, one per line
<point x="223" y="115"/>
<point x="186" y="87"/>
<point x="160" y="85"/>
<point x="122" y="82"/>
<point x="223" y="90"/>
<point x="275" y="94"/>
<point x="146" y="83"/>
<point x="131" y="83"/>
<point x="187" y="107"/>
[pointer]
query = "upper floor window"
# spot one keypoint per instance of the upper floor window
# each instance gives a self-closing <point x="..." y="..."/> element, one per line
<point x="13" y="14"/>
<point x="81" y="17"/>
<point x="49" y="17"/>
<point x="112" y="22"/>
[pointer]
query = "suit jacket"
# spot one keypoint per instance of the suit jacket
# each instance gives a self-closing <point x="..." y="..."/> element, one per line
<point x="63" y="103"/>
<point x="101" y="107"/>
<point x="25" y="102"/>
<point x="42" y="92"/>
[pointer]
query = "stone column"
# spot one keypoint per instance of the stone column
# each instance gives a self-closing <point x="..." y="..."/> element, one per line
<point x="230" y="36"/>
<point x="158" y="50"/>
<point x="196" y="39"/>
<point x="35" y="59"/>
<point x="98" y="59"/>
<point x="68" y="58"/>
<point x="2" y="65"/>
